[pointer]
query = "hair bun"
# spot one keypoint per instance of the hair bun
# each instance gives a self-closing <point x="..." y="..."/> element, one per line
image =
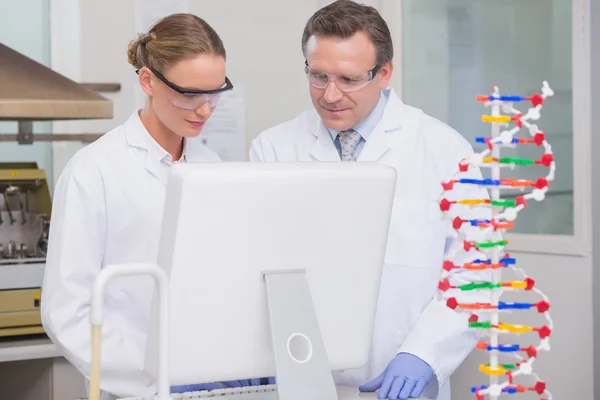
<point x="137" y="53"/>
<point x="146" y="37"/>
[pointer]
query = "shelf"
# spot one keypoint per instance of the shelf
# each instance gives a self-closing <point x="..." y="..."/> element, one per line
<point x="27" y="349"/>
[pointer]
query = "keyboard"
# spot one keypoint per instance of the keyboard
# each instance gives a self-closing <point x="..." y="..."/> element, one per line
<point x="264" y="392"/>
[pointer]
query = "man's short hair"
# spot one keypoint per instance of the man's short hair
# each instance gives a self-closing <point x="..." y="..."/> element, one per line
<point x="343" y="18"/>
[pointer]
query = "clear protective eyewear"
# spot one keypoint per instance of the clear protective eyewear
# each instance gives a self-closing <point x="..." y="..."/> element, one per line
<point x="193" y="99"/>
<point x="344" y="82"/>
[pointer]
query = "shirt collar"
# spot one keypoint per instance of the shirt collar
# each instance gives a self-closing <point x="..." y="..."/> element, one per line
<point x="366" y="127"/>
<point x="160" y="154"/>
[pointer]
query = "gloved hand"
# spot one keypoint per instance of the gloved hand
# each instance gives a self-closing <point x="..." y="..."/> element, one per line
<point x="405" y="377"/>
<point x="209" y="386"/>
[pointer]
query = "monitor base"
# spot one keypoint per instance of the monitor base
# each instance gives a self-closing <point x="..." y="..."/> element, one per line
<point x="301" y="364"/>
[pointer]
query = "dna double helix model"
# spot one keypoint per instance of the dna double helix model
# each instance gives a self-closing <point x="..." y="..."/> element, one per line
<point x="480" y="225"/>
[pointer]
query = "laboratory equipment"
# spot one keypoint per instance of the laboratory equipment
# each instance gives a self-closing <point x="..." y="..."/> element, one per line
<point x="25" y="208"/>
<point x="492" y="244"/>
<point x="35" y="92"/>
<point x="273" y="270"/>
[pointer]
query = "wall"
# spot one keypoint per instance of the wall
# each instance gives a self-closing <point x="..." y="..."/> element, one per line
<point x="425" y="53"/>
<point x="89" y="44"/>
<point x="264" y="55"/>
<point x="594" y="21"/>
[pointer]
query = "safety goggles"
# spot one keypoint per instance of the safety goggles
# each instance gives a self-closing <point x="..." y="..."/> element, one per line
<point x="344" y="82"/>
<point x="193" y="99"/>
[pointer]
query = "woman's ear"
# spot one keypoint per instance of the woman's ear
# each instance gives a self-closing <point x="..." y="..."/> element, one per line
<point x="145" y="76"/>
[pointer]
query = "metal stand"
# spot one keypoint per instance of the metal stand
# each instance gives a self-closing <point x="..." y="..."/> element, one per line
<point x="303" y="370"/>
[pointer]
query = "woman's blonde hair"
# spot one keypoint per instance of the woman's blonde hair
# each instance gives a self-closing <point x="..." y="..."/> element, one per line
<point x="174" y="38"/>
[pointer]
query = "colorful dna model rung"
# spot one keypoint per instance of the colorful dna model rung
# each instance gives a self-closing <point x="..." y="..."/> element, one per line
<point x="480" y="225"/>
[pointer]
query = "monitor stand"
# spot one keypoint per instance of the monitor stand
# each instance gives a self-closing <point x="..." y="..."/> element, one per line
<point x="302" y="367"/>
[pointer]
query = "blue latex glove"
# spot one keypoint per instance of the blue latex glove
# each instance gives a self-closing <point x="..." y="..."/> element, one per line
<point x="405" y="377"/>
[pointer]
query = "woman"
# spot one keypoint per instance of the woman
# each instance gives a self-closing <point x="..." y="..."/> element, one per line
<point x="108" y="201"/>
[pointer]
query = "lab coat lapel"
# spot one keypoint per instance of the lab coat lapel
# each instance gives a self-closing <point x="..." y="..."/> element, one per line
<point x="136" y="136"/>
<point x="323" y="148"/>
<point x="376" y="146"/>
<point x="378" y="142"/>
<point x="154" y="167"/>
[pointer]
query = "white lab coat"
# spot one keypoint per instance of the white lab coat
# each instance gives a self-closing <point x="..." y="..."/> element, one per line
<point x="107" y="209"/>
<point x="424" y="152"/>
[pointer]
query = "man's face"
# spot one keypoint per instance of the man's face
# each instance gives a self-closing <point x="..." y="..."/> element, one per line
<point x="350" y="60"/>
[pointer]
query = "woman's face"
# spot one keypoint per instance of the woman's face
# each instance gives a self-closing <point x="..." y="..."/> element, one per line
<point x="186" y="113"/>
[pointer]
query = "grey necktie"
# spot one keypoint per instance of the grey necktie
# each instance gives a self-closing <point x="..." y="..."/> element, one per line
<point x="349" y="140"/>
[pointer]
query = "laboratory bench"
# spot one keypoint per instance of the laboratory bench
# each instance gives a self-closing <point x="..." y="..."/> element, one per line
<point x="31" y="368"/>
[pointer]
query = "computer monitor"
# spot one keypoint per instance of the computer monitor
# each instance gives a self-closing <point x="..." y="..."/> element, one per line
<point x="274" y="270"/>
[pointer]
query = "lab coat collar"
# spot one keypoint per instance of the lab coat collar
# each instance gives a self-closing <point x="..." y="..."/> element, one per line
<point x="377" y="145"/>
<point x="324" y="148"/>
<point x="156" y="159"/>
<point x="394" y="114"/>
<point x="158" y="152"/>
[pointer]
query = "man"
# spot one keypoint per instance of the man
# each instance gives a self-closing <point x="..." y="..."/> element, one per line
<point x="418" y="342"/>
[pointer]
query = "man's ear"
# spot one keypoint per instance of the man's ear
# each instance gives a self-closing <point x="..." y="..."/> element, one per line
<point x="145" y="77"/>
<point x="385" y="74"/>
